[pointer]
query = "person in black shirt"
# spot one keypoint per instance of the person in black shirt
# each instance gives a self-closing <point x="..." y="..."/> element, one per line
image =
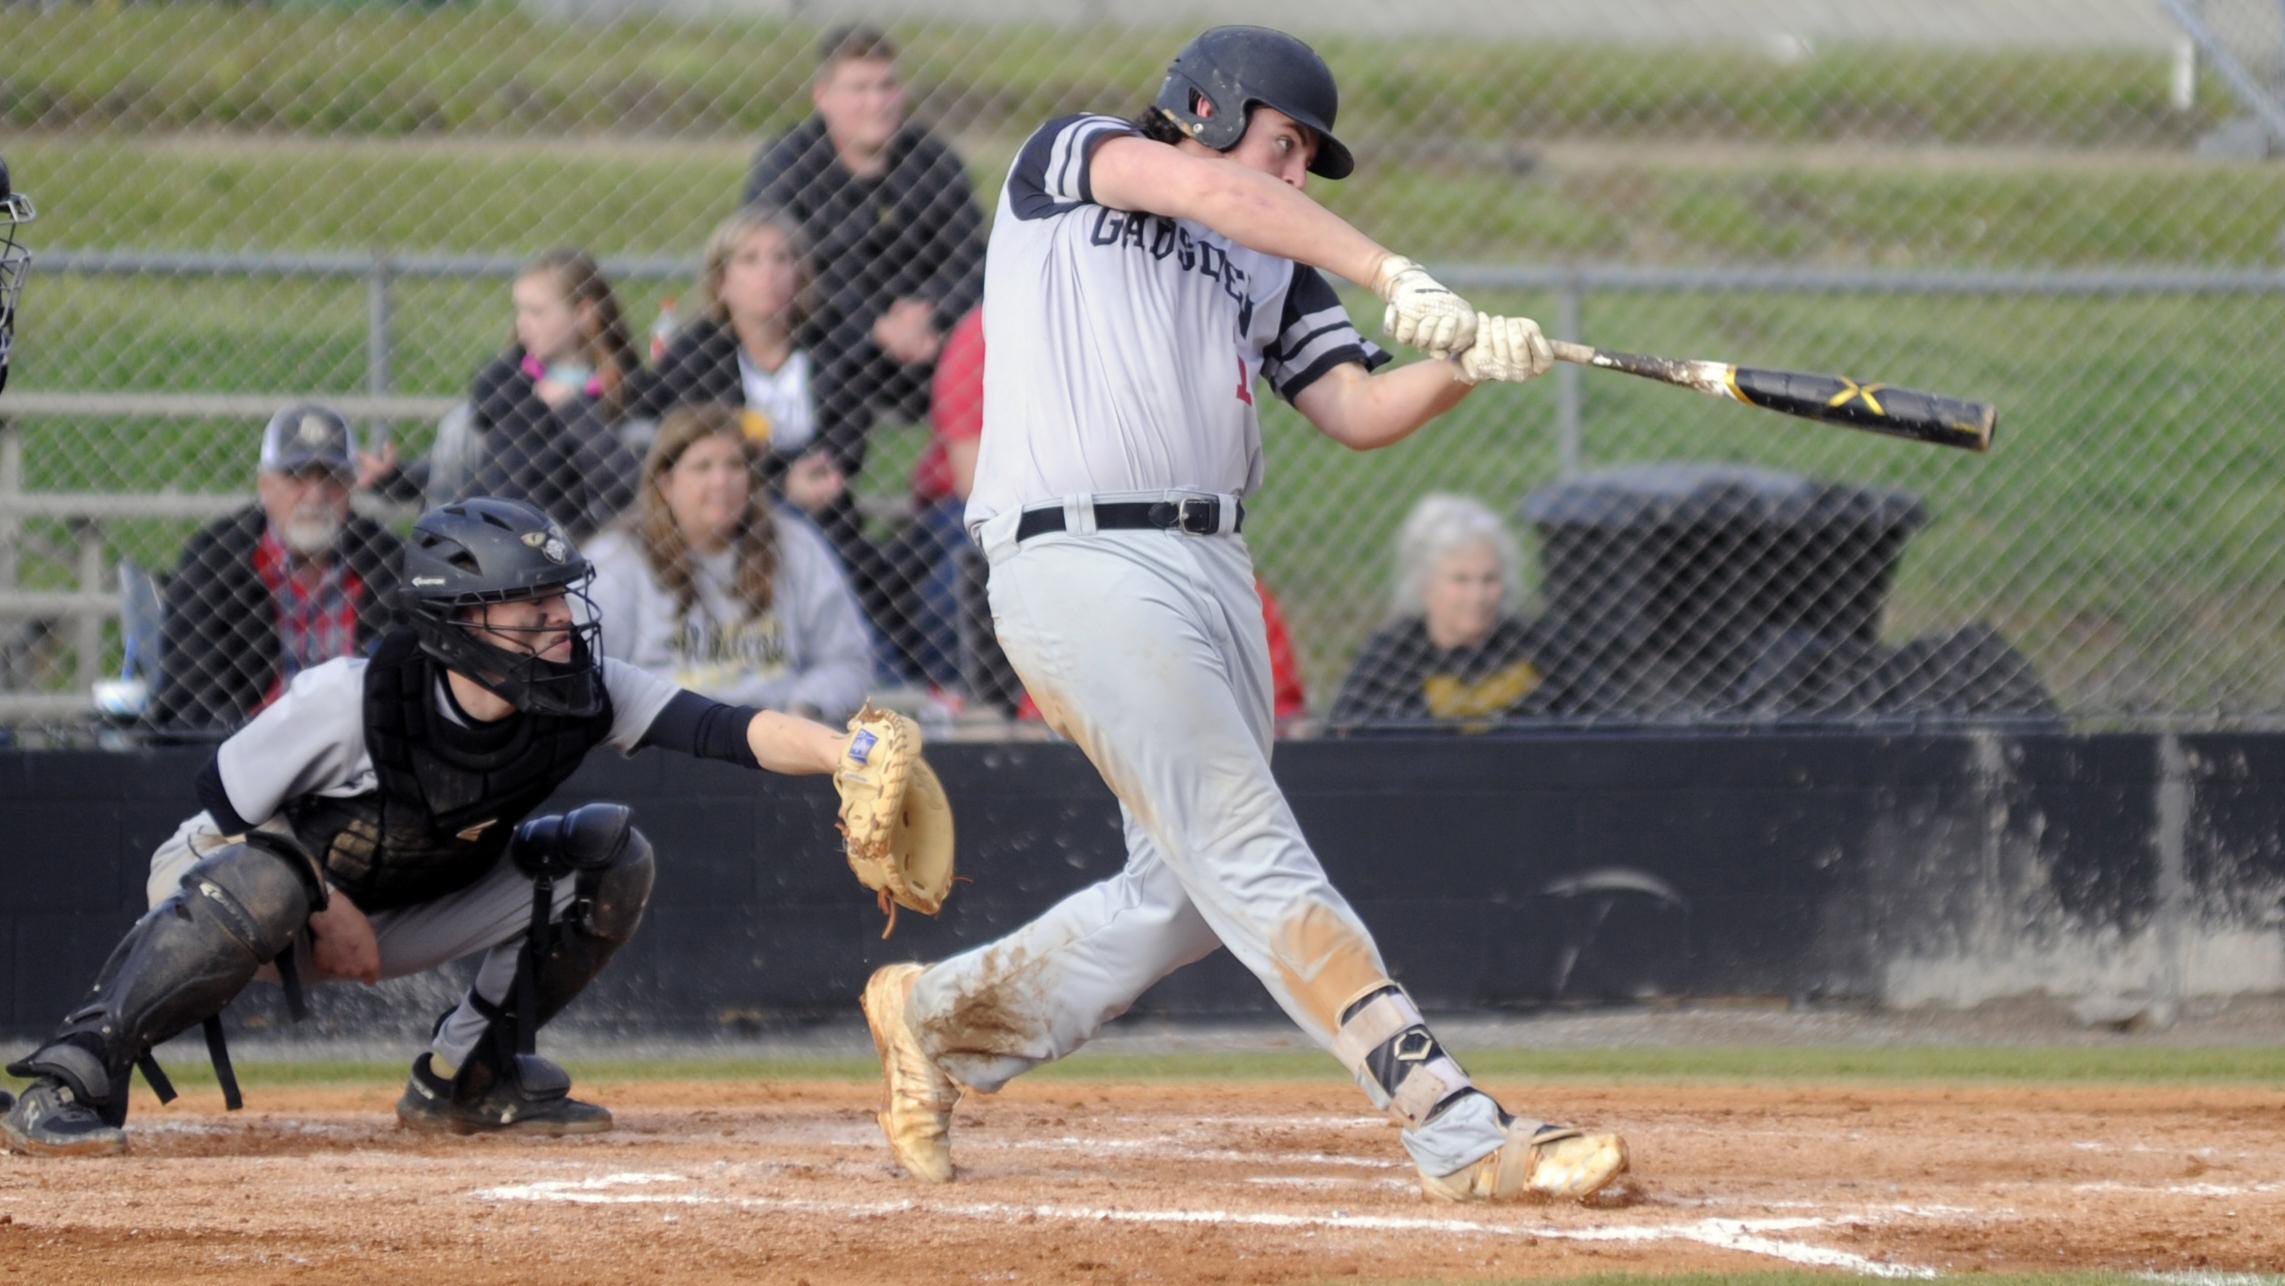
<point x="895" y="232"/>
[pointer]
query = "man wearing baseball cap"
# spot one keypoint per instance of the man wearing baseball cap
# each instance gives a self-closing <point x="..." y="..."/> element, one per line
<point x="282" y="585"/>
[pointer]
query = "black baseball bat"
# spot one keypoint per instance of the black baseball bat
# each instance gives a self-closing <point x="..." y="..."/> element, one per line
<point x="1829" y="399"/>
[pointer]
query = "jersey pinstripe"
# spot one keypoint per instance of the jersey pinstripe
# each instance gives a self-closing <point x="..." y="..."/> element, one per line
<point x="1123" y="349"/>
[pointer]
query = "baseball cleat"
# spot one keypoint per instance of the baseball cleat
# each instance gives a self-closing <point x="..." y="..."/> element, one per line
<point x="1543" y="1161"/>
<point x="916" y="1096"/>
<point x="50" y="1121"/>
<point x="434" y="1105"/>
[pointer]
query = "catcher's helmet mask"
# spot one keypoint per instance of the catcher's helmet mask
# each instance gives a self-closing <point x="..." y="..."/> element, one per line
<point x="478" y="553"/>
<point x="1237" y="69"/>
<point x="15" y="262"/>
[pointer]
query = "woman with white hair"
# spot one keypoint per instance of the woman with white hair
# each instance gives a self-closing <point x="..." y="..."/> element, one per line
<point x="1452" y="653"/>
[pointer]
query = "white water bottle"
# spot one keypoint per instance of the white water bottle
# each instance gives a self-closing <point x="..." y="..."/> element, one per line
<point x="663" y="329"/>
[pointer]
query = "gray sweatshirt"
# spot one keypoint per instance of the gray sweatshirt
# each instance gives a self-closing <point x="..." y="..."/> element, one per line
<point x="810" y="649"/>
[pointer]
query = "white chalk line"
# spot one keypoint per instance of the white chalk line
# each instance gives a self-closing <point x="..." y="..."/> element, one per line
<point x="1748" y="1236"/>
<point x="2182" y="1189"/>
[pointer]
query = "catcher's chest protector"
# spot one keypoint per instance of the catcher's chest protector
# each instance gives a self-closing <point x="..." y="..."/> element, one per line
<point x="449" y="795"/>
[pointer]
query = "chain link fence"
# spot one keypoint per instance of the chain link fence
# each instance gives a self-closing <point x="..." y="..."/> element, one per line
<point x="2070" y="209"/>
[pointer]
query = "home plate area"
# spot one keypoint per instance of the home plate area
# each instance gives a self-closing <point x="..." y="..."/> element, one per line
<point x="1179" y="1182"/>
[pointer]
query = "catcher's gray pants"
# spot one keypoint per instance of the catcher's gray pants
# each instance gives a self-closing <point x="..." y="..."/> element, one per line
<point x="491" y="916"/>
<point x="1147" y="649"/>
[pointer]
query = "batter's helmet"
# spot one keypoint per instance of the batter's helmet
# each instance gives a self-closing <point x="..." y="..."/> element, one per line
<point x="483" y="551"/>
<point x="15" y="262"/>
<point x="1240" y="68"/>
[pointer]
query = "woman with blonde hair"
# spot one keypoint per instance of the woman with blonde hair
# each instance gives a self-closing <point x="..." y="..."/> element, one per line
<point x="1454" y="652"/>
<point x="707" y="583"/>
<point x="747" y="348"/>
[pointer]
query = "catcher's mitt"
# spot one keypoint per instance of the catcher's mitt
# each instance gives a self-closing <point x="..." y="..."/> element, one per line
<point x="894" y="815"/>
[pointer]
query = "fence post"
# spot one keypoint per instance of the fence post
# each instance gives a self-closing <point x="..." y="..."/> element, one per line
<point x="377" y="326"/>
<point x="87" y="624"/>
<point x="11" y="486"/>
<point x="1568" y="309"/>
<point x="2170" y="916"/>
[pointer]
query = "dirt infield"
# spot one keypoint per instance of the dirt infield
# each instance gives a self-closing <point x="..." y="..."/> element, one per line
<point x="1078" y="1181"/>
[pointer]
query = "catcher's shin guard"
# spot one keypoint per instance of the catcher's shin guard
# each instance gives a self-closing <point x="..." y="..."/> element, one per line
<point x="185" y="960"/>
<point x="917" y="1097"/>
<point x="611" y="867"/>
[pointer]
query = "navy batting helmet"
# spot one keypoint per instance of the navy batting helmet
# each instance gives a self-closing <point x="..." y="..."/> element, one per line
<point x="478" y="552"/>
<point x="15" y="262"/>
<point x="1240" y="68"/>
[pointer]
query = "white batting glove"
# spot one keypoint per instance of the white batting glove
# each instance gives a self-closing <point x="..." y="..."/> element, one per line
<point x="1422" y="312"/>
<point x="1509" y="349"/>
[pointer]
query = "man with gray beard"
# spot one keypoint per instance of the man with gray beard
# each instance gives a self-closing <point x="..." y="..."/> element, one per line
<point x="276" y="588"/>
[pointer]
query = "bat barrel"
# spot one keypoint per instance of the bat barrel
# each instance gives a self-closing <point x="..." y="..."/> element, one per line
<point x="1876" y="408"/>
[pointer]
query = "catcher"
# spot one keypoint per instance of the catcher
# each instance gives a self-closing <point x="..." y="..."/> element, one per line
<point x="372" y="823"/>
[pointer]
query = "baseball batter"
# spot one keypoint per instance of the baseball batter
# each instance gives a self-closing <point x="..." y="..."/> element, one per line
<point x="1142" y="278"/>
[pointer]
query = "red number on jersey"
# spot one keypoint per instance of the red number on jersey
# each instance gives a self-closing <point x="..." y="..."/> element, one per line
<point x="1245" y="386"/>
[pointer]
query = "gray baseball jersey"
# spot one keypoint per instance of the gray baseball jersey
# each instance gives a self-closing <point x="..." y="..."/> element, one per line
<point x="311" y="741"/>
<point x="1123" y="349"/>
<point x="1121" y="355"/>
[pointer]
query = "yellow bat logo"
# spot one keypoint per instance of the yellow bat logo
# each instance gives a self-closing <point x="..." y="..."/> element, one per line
<point x="1851" y="391"/>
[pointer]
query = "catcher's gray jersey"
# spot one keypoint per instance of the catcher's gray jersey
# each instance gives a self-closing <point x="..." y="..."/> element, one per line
<point x="1122" y="349"/>
<point x="311" y="740"/>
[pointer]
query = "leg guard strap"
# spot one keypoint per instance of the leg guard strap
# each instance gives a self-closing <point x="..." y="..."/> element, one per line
<point x="1385" y="1043"/>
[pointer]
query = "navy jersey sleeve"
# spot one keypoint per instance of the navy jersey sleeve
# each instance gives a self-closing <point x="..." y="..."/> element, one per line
<point x="1313" y="336"/>
<point x="1050" y="173"/>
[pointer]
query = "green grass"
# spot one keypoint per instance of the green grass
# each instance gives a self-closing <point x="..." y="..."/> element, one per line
<point x="2027" y="1065"/>
<point x="391" y="71"/>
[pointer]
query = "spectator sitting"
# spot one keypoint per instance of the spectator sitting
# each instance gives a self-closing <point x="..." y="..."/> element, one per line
<point x="743" y="349"/>
<point x="925" y="557"/>
<point x="706" y="583"/>
<point x="894" y="230"/>
<point x="1452" y="654"/>
<point x="545" y="409"/>
<point x="278" y="587"/>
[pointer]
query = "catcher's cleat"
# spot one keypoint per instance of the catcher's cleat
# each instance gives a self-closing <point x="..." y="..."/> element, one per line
<point x="916" y="1096"/>
<point x="49" y="1120"/>
<point x="1542" y="1161"/>
<point x="535" y="1100"/>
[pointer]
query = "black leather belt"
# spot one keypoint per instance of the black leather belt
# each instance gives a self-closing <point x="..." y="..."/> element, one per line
<point x="1198" y="515"/>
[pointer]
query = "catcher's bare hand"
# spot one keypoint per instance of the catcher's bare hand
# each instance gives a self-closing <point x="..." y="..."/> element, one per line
<point x="1506" y="348"/>
<point x="342" y="942"/>
<point x="894" y="816"/>
<point x="1421" y="311"/>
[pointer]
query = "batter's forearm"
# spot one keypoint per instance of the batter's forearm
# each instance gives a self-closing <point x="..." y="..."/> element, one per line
<point x="788" y="743"/>
<point x="1367" y="412"/>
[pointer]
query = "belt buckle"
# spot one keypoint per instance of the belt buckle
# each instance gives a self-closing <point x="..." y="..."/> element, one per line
<point x="1198" y="515"/>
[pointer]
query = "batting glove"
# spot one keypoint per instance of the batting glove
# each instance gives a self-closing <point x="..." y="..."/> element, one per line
<point x="1421" y="311"/>
<point x="1510" y="349"/>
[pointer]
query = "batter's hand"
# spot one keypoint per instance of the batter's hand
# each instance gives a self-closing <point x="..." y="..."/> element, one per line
<point x="1506" y="348"/>
<point x="1421" y="311"/>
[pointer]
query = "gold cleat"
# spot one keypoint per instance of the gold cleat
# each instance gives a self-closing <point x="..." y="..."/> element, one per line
<point x="916" y="1097"/>
<point x="1537" y="1161"/>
